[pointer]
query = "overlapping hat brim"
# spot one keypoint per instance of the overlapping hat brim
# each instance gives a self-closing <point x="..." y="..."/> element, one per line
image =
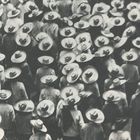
<point x="85" y="37"/>
<point x="84" y="46"/>
<point x="29" y="27"/>
<point x="74" y="94"/>
<point x="99" y="119"/>
<point x="71" y="32"/>
<point x="43" y="129"/>
<point x="84" y="57"/>
<point x="81" y="24"/>
<point x="23" y="36"/>
<point x="54" y="15"/>
<point x="21" y="59"/>
<point x="121" y="82"/>
<point x="6" y="93"/>
<point x="29" y="106"/>
<point x="107" y="33"/>
<point x="69" y="67"/>
<point x="16" y="70"/>
<point x="132" y="53"/>
<point x="48" y="112"/>
<point x="48" y="79"/>
<point x="134" y="12"/>
<point x="105" y="8"/>
<point x="134" y="42"/>
<point x="10" y="15"/>
<point x="116" y="95"/>
<point x="69" y="55"/>
<point x="93" y="78"/>
<point x="121" y="42"/>
<point x="45" y="40"/>
<point x="42" y="35"/>
<point x="46" y="60"/>
<point x="97" y="41"/>
<point x="94" y="18"/>
<point x="69" y="40"/>
<point x="76" y="72"/>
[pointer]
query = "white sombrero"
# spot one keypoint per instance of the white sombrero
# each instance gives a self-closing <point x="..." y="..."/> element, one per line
<point x="51" y="16"/>
<point x="70" y="95"/>
<point x="83" y="37"/>
<point x="100" y="8"/>
<point x="68" y="32"/>
<point x="119" y="4"/>
<point x="81" y="24"/>
<point x="24" y="106"/>
<point x="69" y="67"/>
<point x="74" y="75"/>
<point x="107" y="33"/>
<point x="131" y="55"/>
<point x="12" y="73"/>
<point x="129" y="31"/>
<point x="48" y="79"/>
<point x="67" y="57"/>
<point x="42" y="35"/>
<point x="136" y="42"/>
<point x="118" y="21"/>
<point x="5" y="94"/>
<point x="46" y="60"/>
<point x="134" y="15"/>
<point x="11" y="27"/>
<point x="45" y="108"/>
<point x="114" y="12"/>
<point x="23" y="39"/>
<point x="13" y="13"/>
<point x="101" y="41"/>
<point x="46" y="44"/>
<point x="84" y="57"/>
<point x="96" y="20"/>
<point x="132" y="5"/>
<point x="84" y="46"/>
<point x="27" y="27"/>
<point x="68" y="43"/>
<point x="95" y="115"/>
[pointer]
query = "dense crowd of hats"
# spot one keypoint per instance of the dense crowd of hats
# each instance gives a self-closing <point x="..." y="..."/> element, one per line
<point x="79" y="58"/>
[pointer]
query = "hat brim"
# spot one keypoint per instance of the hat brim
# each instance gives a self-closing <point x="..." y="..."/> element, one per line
<point x="88" y="57"/>
<point x="1" y="133"/>
<point x="42" y="35"/>
<point x="7" y="26"/>
<point x="96" y="42"/>
<point x="55" y="16"/>
<point x="10" y="15"/>
<point x="134" y="42"/>
<point x="96" y="17"/>
<point x="2" y="57"/>
<point x="85" y="25"/>
<point x="71" y="34"/>
<point x="28" y="25"/>
<point x="84" y="46"/>
<point x="121" y="83"/>
<point x="20" y="59"/>
<point x="7" y="93"/>
<point x="49" y="58"/>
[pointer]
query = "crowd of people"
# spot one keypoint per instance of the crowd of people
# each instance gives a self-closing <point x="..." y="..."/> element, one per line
<point x="69" y="70"/>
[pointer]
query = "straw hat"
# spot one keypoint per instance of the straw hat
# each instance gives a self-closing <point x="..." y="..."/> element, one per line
<point x="84" y="57"/>
<point x="129" y="31"/>
<point x="112" y="95"/>
<point x="5" y="94"/>
<point x="132" y="5"/>
<point x="13" y="13"/>
<point x="45" y="108"/>
<point x="27" y="27"/>
<point x="45" y="60"/>
<point x="23" y="39"/>
<point x="81" y="24"/>
<point x="117" y="82"/>
<point x="83" y="8"/>
<point x="50" y="16"/>
<point x="90" y="75"/>
<point x="2" y="57"/>
<point x="67" y="57"/>
<point x="70" y="95"/>
<point x="12" y="73"/>
<point x="107" y="33"/>
<point x="101" y="41"/>
<point x="74" y="75"/>
<point x="69" y="68"/>
<point x="83" y="37"/>
<point x="24" y="106"/>
<point x="95" y="115"/>
<point x="18" y="57"/>
<point x="48" y="79"/>
<point x="134" y="15"/>
<point x="130" y="56"/>
<point x="100" y="8"/>
<point x="38" y="124"/>
<point x="96" y="20"/>
<point x="118" y="4"/>
<point x="68" y="43"/>
<point x="84" y="46"/>
<point x="11" y="28"/>
<point x="1" y="133"/>
<point x="41" y="35"/>
<point x="46" y="44"/>
<point x="118" y="21"/>
<point x="121" y="42"/>
<point x="85" y="93"/>
<point x="104" y="51"/>
<point x="136" y="42"/>
<point x="68" y="32"/>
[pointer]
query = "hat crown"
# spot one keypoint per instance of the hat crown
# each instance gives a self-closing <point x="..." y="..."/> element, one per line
<point x="100" y="8"/>
<point x="69" y="44"/>
<point x="26" y="29"/>
<point x="39" y="124"/>
<point x="110" y="98"/>
<point x="49" y="79"/>
<point x="89" y="74"/>
<point x="3" y="95"/>
<point x="71" y="101"/>
<point x="81" y="24"/>
<point x="82" y="39"/>
<point x="12" y="74"/>
<point x="46" y="45"/>
<point x="70" y="93"/>
<point x="83" y="58"/>
<point x="32" y="7"/>
<point x="83" y="7"/>
<point x="129" y="56"/>
<point x="134" y="16"/>
<point x="53" y="5"/>
<point x="11" y="28"/>
<point x="46" y="61"/>
<point x="117" y="39"/>
<point x="106" y="52"/>
<point x="117" y="21"/>
<point x="94" y="116"/>
<point x="50" y="16"/>
<point x="96" y="21"/>
<point x="138" y="42"/>
<point x="18" y="55"/>
<point x="117" y="4"/>
<point x="45" y="107"/>
<point x="14" y="12"/>
<point x="67" y="32"/>
<point x="67" y="59"/>
<point x="74" y="76"/>
<point x="22" y="40"/>
<point x="22" y="106"/>
<point x="116" y="82"/>
<point x="101" y="41"/>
